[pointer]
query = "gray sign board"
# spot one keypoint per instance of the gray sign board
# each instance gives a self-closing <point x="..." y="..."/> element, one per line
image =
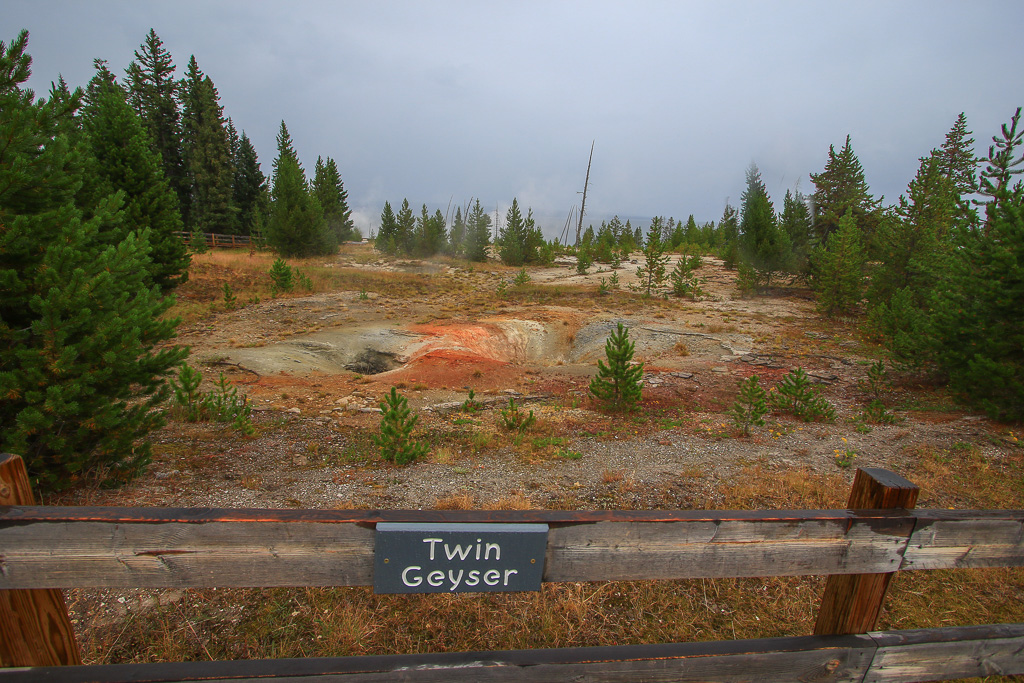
<point x="458" y="558"/>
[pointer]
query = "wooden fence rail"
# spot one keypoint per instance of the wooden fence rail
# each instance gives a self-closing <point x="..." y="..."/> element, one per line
<point x="46" y="548"/>
<point x="218" y="240"/>
<point x="68" y="547"/>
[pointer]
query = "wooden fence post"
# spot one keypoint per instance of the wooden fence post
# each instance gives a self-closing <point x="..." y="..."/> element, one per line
<point x="35" y="629"/>
<point x="853" y="602"/>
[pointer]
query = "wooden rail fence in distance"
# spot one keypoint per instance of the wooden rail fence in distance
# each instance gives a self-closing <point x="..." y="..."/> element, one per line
<point x="64" y="547"/>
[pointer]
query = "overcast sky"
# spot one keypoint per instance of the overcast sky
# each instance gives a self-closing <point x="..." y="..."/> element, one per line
<point x="439" y="101"/>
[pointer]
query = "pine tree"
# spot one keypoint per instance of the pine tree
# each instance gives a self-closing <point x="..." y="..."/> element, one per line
<point x="750" y="406"/>
<point x="978" y="317"/>
<point x="120" y="157"/>
<point x="457" y="235"/>
<point x="911" y="236"/>
<point x="250" y="194"/>
<point x="296" y="226"/>
<point x="729" y="231"/>
<point x="838" y="269"/>
<point x="209" y="165"/>
<point x="153" y="94"/>
<point x="795" y="221"/>
<point x="478" y="233"/>
<point x="841" y="187"/>
<point x="387" y="236"/>
<point x="959" y="164"/>
<point x="330" y="192"/>
<point x="405" y="222"/>
<point x="514" y="241"/>
<point x="395" y="440"/>
<point x="81" y="378"/>
<point x="618" y="384"/>
<point x="762" y="244"/>
<point x="652" y="274"/>
<point x="430" y="232"/>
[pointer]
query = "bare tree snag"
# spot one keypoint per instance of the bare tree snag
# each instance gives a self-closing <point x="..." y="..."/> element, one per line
<point x="583" y="204"/>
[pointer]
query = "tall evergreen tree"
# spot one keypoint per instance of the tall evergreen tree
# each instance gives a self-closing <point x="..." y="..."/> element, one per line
<point x="762" y="244"/>
<point x="153" y="94"/>
<point x="978" y="317"/>
<point x="406" y="222"/>
<point x="457" y="235"/>
<point x="910" y="237"/>
<point x="959" y="163"/>
<point x="729" y="231"/>
<point x="430" y="232"/>
<point x="296" y="226"/>
<point x="839" y="188"/>
<point x="478" y="233"/>
<point x="207" y="152"/>
<point x="120" y="158"/>
<point x="795" y="221"/>
<point x="333" y="199"/>
<point x="514" y="245"/>
<point x="838" y="269"/>
<point x="81" y="378"/>
<point x="386" y="240"/>
<point x="249" y="189"/>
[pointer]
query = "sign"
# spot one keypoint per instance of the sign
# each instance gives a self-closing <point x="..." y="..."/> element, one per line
<point x="458" y="558"/>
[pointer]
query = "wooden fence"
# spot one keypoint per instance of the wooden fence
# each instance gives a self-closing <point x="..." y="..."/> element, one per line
<point x="217" y="240"/>
<point x="47" y="548"/>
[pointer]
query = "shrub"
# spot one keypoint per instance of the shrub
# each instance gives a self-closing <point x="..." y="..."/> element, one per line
<point x="617" y="384"/>
<point x="395" y="440"/>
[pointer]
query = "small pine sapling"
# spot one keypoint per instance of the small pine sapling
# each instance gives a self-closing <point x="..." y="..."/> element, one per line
<point x="230" y="300"/>
<point x="471" y="405"/>
<point x="522" y="278"/>
<point x="750" y="406"/>
<point x="395" y="440"/>
<point x="617" y="384"/>
<point x="187" y="396"/>
<point x="613" y="281"/>
<point x="796" y="395"/>
<point x="513" y="420"/>
<point x="876" y="382"/>
<point x="584" y="259"/>
<point x="651" y="275"/>
<point x="281" y="277"/>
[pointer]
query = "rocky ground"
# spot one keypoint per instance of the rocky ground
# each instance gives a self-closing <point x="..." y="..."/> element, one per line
<point x="310" y="367"/>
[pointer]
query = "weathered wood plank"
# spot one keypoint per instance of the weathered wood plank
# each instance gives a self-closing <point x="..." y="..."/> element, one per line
<point x="290" y="551"/>
<point x="825" y="660"/>
<point x="228" y="554"/>
<point x="127" y="515"/>
<point x="939" y="543"/>
<point x="880" y="657"/>
<point x="175" y="554"/>
<point x="959" y="652"/>
<point x="676" y="550"/>
<point x="35" y="629"/>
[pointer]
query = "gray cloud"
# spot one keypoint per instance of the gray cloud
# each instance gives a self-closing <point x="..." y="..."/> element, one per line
<point x="442" y="100"/>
